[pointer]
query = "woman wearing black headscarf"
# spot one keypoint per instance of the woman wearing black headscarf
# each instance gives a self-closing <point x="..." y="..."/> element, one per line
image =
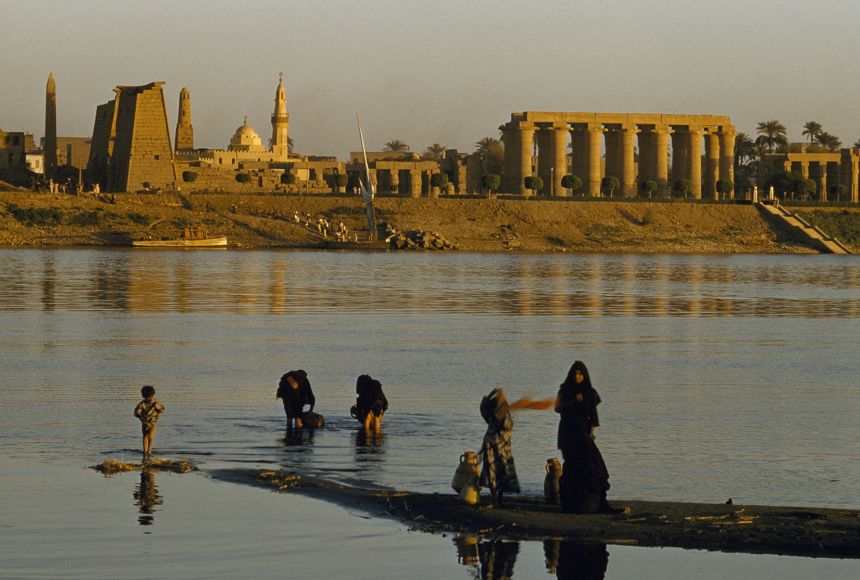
<point x="585" y="478"/>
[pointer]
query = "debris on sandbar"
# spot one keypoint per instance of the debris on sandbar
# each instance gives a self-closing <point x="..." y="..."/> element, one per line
<point x="112" y="466"/>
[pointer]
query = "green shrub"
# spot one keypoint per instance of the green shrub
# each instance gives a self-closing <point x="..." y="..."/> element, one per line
<point x="609" y="185"/>
<point x="683" y="188"/>
<point x="533" y="182"/>
<point x="288" y="178"/>
<point x="724" y="187"/>
<point x="36" y="216"/>
<point x="138" y="218"/>
<point x="491" y="181"/>
<point x="650" y="186"/>
<point x="86" y="219"/>
<point x="439" y="180"/>
<point x="571" y="182"/>
<point x="341" y="179"/>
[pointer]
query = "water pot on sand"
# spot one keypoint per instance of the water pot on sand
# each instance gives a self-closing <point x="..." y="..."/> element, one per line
<point x="470" y="490"/>
<point x="468" y="468"/>
<point x="551" y="483"/>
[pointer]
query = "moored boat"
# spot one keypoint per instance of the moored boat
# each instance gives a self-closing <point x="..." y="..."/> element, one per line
<point x="190" y="238"/>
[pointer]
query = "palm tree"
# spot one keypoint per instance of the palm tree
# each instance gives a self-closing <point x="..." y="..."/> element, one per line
<point x="289" y="144"/>
<point x="745" y="149"/>
<point x="811" y="129"/>
<point x="486" y="144"/>
<point x="396" y="146"/>
<point x="772" y="135"/>
<point x="857" y="143"/>
<point x="828" y="141"/>
<point x="435" y="152"/>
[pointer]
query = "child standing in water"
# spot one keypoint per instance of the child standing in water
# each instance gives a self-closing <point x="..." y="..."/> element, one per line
<point x="148" y="411"/>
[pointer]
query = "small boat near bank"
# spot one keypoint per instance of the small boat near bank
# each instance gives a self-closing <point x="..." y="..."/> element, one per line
<point x="190" y="238"/>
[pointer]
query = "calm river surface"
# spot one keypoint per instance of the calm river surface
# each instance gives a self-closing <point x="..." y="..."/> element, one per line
<point x="721" y="376"/>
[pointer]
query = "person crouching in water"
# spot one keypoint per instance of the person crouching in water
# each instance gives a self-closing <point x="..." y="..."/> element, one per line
<point x="498" y="472"/>
<point x="371" y="404"/>
<point x="294" y="389"/>
<point x="148" y="411"/>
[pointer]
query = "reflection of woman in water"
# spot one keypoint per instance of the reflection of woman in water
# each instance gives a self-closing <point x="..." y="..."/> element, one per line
<point x="146" y="497"/>
<point x="371" y="404"/>
<point x="576" y="560"/>
<point x="498" y="559"/>
<point x="498" y="473"/>
<point x="585" y="478"/>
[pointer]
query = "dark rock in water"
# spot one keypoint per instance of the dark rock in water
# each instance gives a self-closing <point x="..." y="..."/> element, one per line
<point x="420" y="239"/>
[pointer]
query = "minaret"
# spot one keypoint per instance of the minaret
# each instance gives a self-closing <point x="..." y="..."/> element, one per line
<point x="50" y="152"/>
<point x="184" y="130"/>
<point x="280" y="120"/>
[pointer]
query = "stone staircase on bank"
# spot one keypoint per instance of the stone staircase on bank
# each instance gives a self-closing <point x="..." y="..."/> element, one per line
<point x="803" y="230"/>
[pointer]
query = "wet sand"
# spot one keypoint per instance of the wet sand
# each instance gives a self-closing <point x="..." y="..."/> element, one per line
<point x="795" y="531"/>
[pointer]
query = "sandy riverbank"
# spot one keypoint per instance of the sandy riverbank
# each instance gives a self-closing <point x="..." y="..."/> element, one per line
<point x="475" y="225"/>
<point x="730" y="528"/>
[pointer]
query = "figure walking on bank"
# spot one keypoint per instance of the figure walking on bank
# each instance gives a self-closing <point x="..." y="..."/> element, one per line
<point x="585" y="479"/>
<point x="371" y="404"/>
<point x="148" y="411"/>
<point x="498" y="473"/>
<point x="294" y="389"/>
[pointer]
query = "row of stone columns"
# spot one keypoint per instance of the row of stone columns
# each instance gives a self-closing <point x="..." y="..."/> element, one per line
<point x="419" y="181"/>
<point x="620" y="139"/>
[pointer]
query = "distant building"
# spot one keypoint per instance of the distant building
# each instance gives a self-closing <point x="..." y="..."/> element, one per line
<point x="14" y="146"/>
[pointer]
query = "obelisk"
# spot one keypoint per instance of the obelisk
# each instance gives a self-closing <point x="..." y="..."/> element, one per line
<point x="50" y="152"/>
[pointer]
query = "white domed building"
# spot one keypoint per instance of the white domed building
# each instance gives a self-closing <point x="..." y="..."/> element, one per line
<point x="246" y="139"/>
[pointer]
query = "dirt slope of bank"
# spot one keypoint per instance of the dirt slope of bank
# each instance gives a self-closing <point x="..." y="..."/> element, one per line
<point x="481" y="225"/>
<point x="730" y="528"/>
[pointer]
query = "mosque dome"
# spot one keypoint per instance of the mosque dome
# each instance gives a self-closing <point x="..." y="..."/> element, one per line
<point x="246" y="139"/>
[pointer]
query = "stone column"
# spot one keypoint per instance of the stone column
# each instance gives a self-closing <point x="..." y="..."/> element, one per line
<point x="612" y="164"/>
<point x="822" y="181"/>
<point x="662" y="160"/>
<point x="559" y="149"/>
<point x="712" y="146"/>
<point x="727" y="154"/>
<point x="647" y="155"/>
<point x="525" y="142"/>
<point x="628" y="160"/>
<point x="855" y="174"/>
<point x="680" y="141"/>
<point x="394" y="180"/>
<point x="694" y="159"/>
<point x="579" y="165"/>
<point x="415" y="183"/>
<point x="511" y="136"/>
<point x="595" y="135"/>
<point x="804" y="169"/>
<point x="545" y="158"/>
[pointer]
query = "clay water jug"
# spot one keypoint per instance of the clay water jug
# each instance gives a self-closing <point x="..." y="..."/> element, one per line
<point x="470" y="491"/>
<point x="551" y="483"/>
<point x="468" y="467"/>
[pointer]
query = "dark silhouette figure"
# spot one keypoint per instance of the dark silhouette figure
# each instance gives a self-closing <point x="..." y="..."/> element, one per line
<point x="294" y="390"/>
<point x="371" y="404"/>
<point x="584" y="479"/>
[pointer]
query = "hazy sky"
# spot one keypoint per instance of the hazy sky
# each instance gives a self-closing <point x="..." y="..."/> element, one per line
<point x="440" y="71"/>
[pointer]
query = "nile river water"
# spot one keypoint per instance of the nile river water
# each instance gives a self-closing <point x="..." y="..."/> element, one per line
<point x="721" y="376"/>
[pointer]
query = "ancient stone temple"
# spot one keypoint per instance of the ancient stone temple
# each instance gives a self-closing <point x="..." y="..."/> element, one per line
<point x="131" y="141"/>
<point x="50" y="151"/>
<point x="618" y="134"/>
<point x="184" y="130"/>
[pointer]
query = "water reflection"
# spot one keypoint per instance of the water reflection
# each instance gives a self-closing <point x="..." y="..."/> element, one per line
<point x="286" y="282"/>
<point x="146" y="497"/>
<point x="568" y="560"/>
<point x="489" y="559"/>
<point x="369" y="445"/>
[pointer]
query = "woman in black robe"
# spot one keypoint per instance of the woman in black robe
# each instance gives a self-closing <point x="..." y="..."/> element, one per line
<point x="371" y="404"/>
<point x="585" y="479"/>
<point x="294" y="389"/>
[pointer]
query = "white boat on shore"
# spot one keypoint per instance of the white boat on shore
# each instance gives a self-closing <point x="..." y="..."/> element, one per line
<point x="190" y="238"/>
